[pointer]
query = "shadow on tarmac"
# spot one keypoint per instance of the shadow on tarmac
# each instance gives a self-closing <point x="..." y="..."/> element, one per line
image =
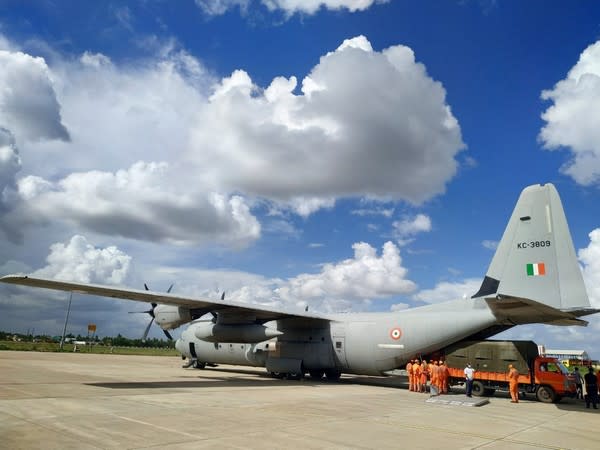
<point x="265" y="379"/>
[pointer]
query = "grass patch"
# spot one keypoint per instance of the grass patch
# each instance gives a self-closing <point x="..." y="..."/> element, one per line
<point x="98" y="349"/>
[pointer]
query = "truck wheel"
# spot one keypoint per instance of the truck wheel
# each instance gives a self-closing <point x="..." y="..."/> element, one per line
<point x="545" y="394"/>
<point x="478" y="389"/>
<point x="488" y="392"/>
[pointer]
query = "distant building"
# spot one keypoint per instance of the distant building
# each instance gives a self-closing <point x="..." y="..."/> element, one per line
<point x="572" y="356"/>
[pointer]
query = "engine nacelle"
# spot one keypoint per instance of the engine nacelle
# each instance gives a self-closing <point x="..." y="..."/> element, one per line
<point x="171" y="316"/>
<point x="245" y="333"/>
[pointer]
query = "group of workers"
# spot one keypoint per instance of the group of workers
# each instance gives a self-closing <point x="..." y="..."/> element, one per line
<point x="419" y="372"/>
<point x="590" y="382"/>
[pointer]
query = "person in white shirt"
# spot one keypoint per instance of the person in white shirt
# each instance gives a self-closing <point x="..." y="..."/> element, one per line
<point x="469" y="374"/>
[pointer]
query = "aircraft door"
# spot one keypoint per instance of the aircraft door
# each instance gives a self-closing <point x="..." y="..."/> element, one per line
<point x="338" y="333"/>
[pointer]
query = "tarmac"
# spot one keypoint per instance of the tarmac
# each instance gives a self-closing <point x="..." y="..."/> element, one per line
<point x="90" y="401"/>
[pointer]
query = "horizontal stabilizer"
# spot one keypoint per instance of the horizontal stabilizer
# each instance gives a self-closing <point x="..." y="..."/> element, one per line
<point x="518" y="311"/>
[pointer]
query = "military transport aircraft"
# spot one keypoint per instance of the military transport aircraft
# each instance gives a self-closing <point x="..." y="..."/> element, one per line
<point x="534" y="277"/>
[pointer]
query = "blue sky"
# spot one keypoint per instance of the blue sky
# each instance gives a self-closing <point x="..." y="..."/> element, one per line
<point x="350" y="155"/>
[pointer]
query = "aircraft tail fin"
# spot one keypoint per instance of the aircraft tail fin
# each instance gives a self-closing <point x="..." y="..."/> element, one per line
<point x="535" y="267"/>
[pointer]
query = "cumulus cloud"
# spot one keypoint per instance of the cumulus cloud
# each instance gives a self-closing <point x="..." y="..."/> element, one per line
<point x="404" y="230"/>
<point x="490" y="245"/>
<point x="10" y="164"/>
<point x="312" y="6"/>
<point x="446" y="291"/>
<point x="590" y="258"/>
<point x="141" y="203"/>
<point x="348" y="285"/>
<point x="218" y="7"/>
<point x="28" y="104"/>
<point x="376" y="210"/>
<point x="573" y="120"/>
<point x="364" y="123"/>
<point x="289" y="7"/>
<point x="364" y="276"/>
<point x="119" y="114"/>
<point x="80" y="261"/>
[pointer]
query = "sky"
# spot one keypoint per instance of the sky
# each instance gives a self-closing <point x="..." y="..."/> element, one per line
<point x="348" y="155"/>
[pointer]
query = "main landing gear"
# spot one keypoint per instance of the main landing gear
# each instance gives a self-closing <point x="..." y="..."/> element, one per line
<point x="316" y="375"/>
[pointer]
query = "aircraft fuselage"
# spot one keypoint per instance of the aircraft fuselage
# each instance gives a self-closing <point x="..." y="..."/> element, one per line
<point x="367" y="344"/>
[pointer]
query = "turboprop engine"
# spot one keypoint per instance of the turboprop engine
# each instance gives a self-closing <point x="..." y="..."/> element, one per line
<point x="171" y="316"/>
<point x="248" y="333"/>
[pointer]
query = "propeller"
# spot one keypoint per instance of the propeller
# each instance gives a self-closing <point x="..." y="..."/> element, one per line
<point x="151" y="313"/>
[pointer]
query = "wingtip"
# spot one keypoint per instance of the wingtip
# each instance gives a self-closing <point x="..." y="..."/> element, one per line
<point x="20" y="275"/>
<point x="13" y="277"/>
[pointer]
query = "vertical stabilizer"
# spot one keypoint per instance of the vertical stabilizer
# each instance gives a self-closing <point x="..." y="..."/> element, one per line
<point x="536" y="259"/>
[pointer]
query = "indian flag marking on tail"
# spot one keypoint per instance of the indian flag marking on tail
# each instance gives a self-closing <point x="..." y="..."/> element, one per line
<point x="533" y="270"/>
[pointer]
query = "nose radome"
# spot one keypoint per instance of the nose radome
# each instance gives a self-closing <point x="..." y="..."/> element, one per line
<point x="180" y="346"/>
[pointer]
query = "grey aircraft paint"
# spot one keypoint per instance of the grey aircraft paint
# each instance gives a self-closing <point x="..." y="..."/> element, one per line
<point x="534" y="277"/>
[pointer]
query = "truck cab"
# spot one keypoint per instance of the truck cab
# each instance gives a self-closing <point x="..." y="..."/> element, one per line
<point x="552" y="379"/>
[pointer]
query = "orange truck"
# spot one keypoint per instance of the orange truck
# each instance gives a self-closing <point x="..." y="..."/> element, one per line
<point x="545" y="377"/>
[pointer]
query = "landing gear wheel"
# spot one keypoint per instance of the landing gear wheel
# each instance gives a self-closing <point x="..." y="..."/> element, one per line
<point x="316" y="374"/>
<point x="199" y="365"/>
<point x="546" y="394"/>
<point x="333" y="374"/>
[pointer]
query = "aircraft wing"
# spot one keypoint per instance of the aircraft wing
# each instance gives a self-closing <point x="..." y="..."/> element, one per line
<point x="202" y="306"/>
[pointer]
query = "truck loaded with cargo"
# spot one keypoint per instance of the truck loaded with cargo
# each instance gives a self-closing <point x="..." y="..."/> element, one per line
<point x="543" y="376"/>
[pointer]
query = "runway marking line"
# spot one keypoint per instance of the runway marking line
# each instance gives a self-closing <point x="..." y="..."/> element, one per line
<point x="170" y="430"/>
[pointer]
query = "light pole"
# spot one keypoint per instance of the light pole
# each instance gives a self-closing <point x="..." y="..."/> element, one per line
<point x="62" y="341"/>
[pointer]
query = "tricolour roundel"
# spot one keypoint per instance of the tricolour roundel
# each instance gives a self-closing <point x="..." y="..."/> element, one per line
<point x="395" y="333"/>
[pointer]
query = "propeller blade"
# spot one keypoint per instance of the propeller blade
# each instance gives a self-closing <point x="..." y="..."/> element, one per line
<point x="168" y="335"/>
<point x="150" y="311"/>
<point x="147" y="330"/>
<point x="146" y="287"/>
<point x="223" y="296"/>
<point x="170" y="287"/>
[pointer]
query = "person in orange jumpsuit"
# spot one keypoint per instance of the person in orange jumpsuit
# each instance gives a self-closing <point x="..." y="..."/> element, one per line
<point x="435" y="376"/>
<point x="415" y="369"/>
<point x="410" y="374"/>
<point x="417" y="375"/>
<point x="424" y="375"/>
<point x="444" y="375"/>
<point x="438" y="377"/>
<point x="513" y="382"/>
